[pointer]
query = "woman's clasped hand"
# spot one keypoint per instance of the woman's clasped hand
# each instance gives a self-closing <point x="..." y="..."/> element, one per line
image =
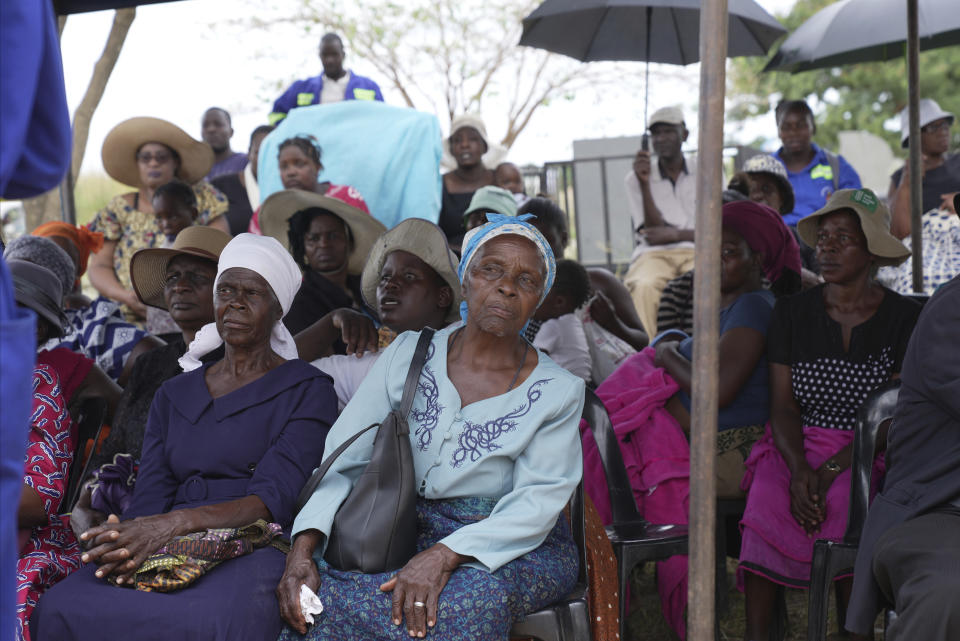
<point x="119" y="548"/>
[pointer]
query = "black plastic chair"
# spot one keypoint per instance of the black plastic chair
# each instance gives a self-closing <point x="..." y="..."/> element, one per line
<point x="831" y="558"/>
<point x="569" y="619"/>
<point x="89" y="421"/>
<point x="634" y="540"/>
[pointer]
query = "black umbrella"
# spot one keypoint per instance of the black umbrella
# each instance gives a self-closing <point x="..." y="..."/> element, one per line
<point x="665" y="31"/>
<point x="852" y="31"/>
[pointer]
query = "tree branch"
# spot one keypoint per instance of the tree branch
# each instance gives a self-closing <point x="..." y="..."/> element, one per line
<point x="122" y="20"/>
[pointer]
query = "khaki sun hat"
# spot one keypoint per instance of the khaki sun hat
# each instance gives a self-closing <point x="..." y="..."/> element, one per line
<point x="874" y="220"/>
<point x="342" y="201"/>
<point x="424" y="240"/>
<point x="119" y="151"/>
<point x="148" y="267"/>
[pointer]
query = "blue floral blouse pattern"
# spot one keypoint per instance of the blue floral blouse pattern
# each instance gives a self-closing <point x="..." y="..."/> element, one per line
<point x="476" y="439"/>
<point x="430" y="414"/>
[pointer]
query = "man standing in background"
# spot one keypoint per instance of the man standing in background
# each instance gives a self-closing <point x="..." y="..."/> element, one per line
<point x="333" y="85"/>
<point x="216" y="131"/>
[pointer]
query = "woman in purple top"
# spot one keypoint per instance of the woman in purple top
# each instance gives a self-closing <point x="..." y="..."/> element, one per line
<point x="227" y="443"/>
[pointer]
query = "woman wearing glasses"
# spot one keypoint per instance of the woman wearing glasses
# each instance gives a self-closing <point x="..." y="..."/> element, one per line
<point x="146" y="153"/>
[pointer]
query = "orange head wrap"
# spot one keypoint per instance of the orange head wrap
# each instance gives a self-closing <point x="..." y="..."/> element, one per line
<point x="85" y="240"/>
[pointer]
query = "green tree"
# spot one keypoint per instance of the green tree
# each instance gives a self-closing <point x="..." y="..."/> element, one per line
<point x="854" y="97"/>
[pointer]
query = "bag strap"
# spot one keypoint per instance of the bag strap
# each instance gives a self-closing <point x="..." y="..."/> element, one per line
<point x="406" y="402"/>
<point x="834" y="161"/>
<point x="416" y="366"/>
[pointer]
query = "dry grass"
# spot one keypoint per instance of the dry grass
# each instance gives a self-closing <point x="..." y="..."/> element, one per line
<point x="646" y="622"/>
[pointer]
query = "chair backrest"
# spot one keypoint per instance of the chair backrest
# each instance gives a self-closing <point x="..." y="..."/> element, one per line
<point x="90" y="419"/>
<point x="877" y="408"/>
<point x="578" y="529"/>
<point x="622" y="504"/>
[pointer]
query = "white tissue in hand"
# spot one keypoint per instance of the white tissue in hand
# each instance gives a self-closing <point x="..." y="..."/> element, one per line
<point x="309" y="603"/>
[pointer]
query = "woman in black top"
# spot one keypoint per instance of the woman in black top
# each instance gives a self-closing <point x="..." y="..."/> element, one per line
<point x="828" y="348"/>
<point x="330" y="237"/>
<point x="467" y="144"/>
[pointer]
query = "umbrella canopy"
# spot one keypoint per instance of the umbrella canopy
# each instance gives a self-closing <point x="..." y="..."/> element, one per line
<point x="666" y="31"/>
<point x="852" y="31"/>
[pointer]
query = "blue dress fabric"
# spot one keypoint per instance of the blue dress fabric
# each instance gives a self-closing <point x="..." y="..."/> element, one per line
<point x="752" y="310"/>
<point x="813" y="185"/>
<point x="475" y="605"/>
<point x="18" y="328"/>
<point x="519" y="452"/>
<point x="263" y="439"/>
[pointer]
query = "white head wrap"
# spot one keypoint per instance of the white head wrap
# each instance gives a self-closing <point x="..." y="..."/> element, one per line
<point x="268" y="258"/>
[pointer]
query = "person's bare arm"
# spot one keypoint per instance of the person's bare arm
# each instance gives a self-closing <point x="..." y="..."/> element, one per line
<point x="121" y="547"/>
<point x="787" y="428"/>
<point x="144" y="345"/>
<point x="652" y="217"/>
<point x="104" y="279"/>
<point x="221" y="223"/>
<point x="30" y="512"/>
<point x="613" y="309"/>
<point x="355" y="329"/>
<point x="740" y="348"/>
<point x="899" y="198"/>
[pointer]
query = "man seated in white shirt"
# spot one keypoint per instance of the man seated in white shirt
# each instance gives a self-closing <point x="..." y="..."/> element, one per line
<point x="661" y="193"/>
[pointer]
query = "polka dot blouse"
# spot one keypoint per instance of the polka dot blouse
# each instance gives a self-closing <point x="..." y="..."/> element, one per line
<point x="830" y="384"/>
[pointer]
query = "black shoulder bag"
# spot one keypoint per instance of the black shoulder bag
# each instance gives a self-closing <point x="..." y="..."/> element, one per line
<point x="375" y="528"/>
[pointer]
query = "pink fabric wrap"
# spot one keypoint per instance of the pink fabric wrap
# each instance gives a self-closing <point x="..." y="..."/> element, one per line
<point x="774" y="544"/>
<point x="657" y="457"/>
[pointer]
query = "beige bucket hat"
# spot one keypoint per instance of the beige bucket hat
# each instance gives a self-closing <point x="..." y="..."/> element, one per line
<point x="341" y="200"/>
<point x="119" y="151"/>
<point x="424" y="240"/>
<point x="148" y="267"/>
<point x="874" y="220"/>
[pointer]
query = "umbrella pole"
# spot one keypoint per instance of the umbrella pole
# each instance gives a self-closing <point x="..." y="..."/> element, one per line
<point x="706" y="319"/>
<point x="916" y="193"/>
<point x="646" y="79"/>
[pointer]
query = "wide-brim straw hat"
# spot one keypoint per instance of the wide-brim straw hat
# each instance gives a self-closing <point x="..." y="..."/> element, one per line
<point x="119" y="151"/>
<point x="424" y="240"/>
<point x="276" y="211"/>
<point x="874" y="220"/>
<point x="148" y="267"/>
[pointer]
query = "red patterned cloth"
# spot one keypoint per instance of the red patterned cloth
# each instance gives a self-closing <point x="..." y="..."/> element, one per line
<point x="50" y="552"/>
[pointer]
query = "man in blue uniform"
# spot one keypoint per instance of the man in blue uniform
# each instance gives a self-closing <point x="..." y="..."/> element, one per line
<point x="815" y="173"/>
<point x="333" y="85"/>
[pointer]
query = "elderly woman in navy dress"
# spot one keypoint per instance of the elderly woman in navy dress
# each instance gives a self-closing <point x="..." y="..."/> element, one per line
<point x="497" y="455"/>
<point x="227" y="443"/>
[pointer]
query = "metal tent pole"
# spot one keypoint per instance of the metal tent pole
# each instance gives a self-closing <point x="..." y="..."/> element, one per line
<point x="706" y="302"/>
<point x="916" y="193"/>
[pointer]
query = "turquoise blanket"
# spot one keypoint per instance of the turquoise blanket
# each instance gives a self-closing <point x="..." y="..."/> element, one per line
<point x="390" y="154"/>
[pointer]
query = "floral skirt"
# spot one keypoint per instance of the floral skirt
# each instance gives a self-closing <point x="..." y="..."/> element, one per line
<point x="475" y="605"/>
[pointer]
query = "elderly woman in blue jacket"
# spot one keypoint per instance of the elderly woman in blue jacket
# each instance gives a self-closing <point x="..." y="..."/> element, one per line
<point x="494" y="434"/>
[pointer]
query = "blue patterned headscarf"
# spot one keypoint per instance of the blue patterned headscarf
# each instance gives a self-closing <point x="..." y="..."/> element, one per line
<point x="499" y="225"/>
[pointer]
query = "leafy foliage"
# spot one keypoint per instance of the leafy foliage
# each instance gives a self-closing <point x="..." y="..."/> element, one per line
<point x="855" y="97"/>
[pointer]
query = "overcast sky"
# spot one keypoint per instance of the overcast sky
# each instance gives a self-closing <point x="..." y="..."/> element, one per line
<point x="177" y="61"/>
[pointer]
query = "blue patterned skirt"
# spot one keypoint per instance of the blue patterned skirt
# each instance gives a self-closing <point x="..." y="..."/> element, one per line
<point x="475" y="605"/>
